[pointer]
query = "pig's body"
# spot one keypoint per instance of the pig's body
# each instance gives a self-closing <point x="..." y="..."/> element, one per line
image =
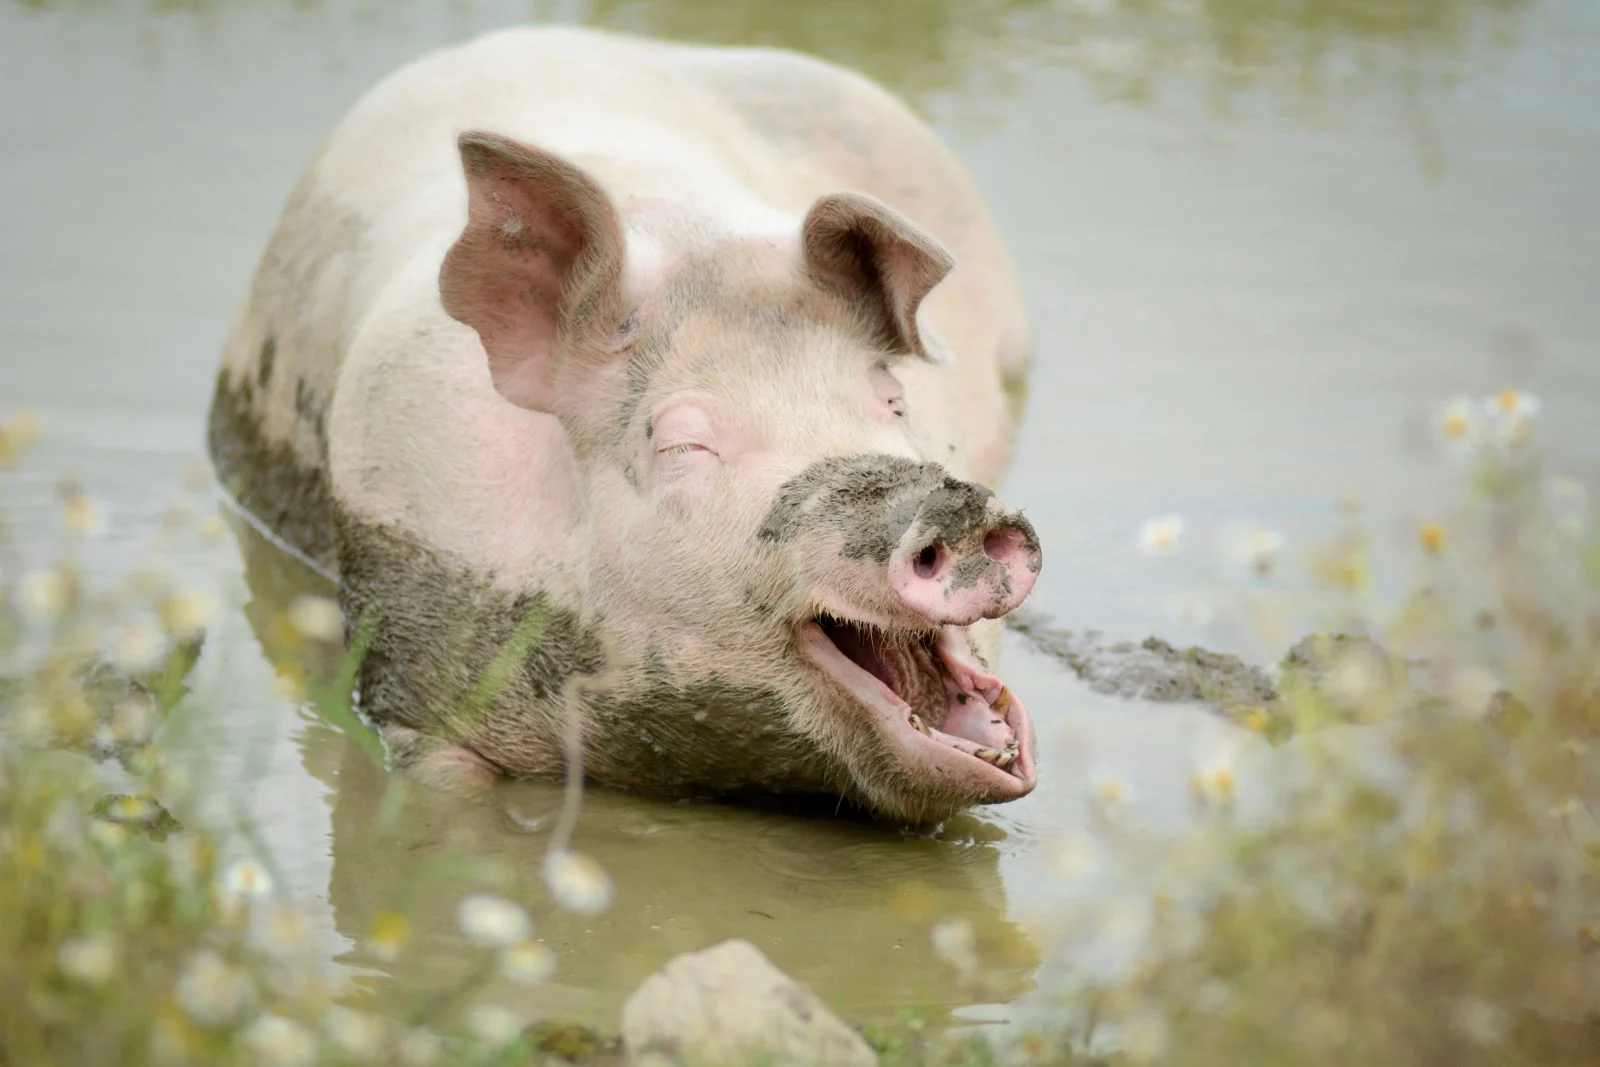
<point x="410" y="445"/>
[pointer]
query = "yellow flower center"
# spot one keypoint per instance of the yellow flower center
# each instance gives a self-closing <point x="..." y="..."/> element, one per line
<point x="1431" y="534"/>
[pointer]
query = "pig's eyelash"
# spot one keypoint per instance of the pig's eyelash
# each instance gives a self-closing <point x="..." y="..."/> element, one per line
<point x="674" y="450"/>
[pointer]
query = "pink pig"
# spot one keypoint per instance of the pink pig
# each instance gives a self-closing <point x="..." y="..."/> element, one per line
<point x="659" y="384"/>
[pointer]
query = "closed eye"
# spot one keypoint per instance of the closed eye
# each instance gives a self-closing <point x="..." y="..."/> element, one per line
<point x="675" y="450"/>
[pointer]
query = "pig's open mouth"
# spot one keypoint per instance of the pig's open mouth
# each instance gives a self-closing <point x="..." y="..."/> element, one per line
<point x="950" y="717"/>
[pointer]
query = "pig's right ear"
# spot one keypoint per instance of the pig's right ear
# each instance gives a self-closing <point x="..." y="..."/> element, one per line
<point x="537" y="271"/>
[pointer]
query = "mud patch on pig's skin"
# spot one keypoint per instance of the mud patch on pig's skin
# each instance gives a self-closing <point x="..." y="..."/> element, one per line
<point x="973" y="569"/>
<point x="872" y="499"/>
<point x="266" y="359"/>
<point x="266" y="477"/>
<point x="439" y="627"/>
<point x="711" y="738"/>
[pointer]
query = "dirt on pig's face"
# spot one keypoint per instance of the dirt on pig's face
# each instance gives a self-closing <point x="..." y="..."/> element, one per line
<point x="785" y="582"/>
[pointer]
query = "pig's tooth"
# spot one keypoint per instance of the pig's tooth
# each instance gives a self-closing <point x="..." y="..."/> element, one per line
<point x="988" y="755"/>
<point x="1009" y="755"/>
<point x="1003" y="701"/>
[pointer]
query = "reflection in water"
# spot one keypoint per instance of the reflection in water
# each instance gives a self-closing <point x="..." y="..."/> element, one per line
<point x="844" y="906"/>
<point x="1306" y="50"/>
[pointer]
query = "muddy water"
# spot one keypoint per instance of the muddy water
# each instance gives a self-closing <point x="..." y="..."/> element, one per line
<point x="1257" y="246"/>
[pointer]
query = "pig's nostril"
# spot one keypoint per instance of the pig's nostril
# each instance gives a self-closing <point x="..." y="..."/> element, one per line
<point x="927" y="562"/>
<point x="1003" y="544"/>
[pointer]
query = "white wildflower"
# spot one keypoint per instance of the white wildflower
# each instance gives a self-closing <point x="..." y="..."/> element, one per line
<point x="280" y="1042"/>
<point x="133" y="719"/>
<point x="388" y="936"/>
<point x="1253" y="548"/>
<point x="44" y="595"/>
<point x="286" y="934"/>
<point x="89" y="961"/>
<point x="491" y="921"/>
<point x="1511" y="414"/>
<point x="577" y="882"/>
<point x="358" y="1035"/>
<point x="1214" y="781"/>
<point x="494" y="1025"/>
<point x="1160" y="536"/>
<point x="186" y="614"/>
<point x="527" y="963"/>
<point x="138" y="646"/>
<point x="316" y="618"/>
<point x="212" y="991"/>
<point x="246" y="879"/>
<point x="107" y="834"/>
<point x="1457" y="423"/>
<point x="1110" y="791"/>
<point x="418" y="1048"/>
<point x="85" y="516"/>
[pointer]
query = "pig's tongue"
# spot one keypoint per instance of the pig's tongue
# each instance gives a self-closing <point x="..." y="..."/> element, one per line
<point x="944" y="698"/>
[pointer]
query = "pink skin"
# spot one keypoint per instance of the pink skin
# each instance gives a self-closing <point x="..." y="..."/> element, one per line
<point x="941" y="753"/>
<point x="925" y="578"/>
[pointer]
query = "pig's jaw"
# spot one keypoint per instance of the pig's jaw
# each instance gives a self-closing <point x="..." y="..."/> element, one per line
<point x="953" y="721"/>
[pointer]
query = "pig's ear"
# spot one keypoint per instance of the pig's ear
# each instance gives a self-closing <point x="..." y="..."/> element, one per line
<point x="876" y="257"/>
<point x="537" y="271"/>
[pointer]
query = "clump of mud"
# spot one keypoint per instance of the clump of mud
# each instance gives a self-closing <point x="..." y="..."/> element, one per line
<point x="1350" y="677"/>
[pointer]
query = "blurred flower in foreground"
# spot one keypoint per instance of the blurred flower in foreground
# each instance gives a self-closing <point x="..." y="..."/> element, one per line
<point x="187" y="614"/>
<point x="246" y="879"/>
<point x="418" y="1048"/>
<point x="280" y="1042"/>
<point x="491" y="921"/>
<point x="211" y="991"/>
<point x="1432" y="538"/>
<point x="1215" y="782"/>
<point x="17" y="435"/>
<point x="527" y="963"/>
<point x="1457" y="422"/>
<point x="1160" y="536"/>
<point x="45" y="594"/>
<point x="389" y="935"/>
<point x="494" y="1025"/>
<point x="89" y="961"/>
<point x="85" y="516"/>
<point x="1253" y="548"/>
<point x="577" y="882"/>
<point x="1511" y="413"/>
<point x="138" y="645"/>
<point x="1110" y="791"/>
<point x="316" y="618"/>
<point x="358" y="1035"/>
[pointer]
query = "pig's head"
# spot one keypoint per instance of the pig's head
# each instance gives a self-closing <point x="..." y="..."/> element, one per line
<point x="760" y="518"/>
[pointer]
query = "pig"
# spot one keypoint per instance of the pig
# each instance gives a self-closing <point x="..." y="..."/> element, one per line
<point x="653" y="390"/>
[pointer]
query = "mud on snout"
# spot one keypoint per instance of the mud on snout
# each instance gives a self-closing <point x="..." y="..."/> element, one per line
<point x="899" y="559"/>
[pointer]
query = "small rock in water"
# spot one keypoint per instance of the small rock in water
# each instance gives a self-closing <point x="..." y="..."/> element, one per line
<point x="728" y="1005"/>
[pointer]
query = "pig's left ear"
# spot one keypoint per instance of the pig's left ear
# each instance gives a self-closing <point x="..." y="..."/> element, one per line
<point x="537" y="271"/>
<point x="876" y="257"/>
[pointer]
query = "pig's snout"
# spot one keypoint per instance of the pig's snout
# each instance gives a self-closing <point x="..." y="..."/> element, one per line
<point x="965" y="557"/>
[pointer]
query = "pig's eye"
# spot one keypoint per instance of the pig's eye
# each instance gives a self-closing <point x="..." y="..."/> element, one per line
<point x="678" y="450"/>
